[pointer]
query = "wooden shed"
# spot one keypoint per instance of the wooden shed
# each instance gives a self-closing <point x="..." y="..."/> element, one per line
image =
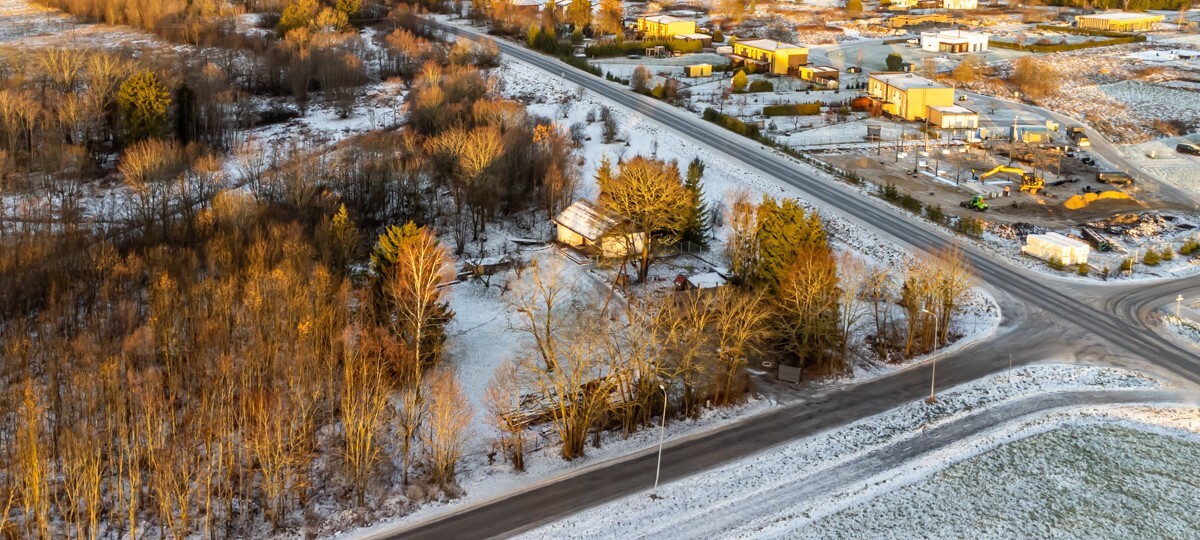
<point x="587" y="225"/>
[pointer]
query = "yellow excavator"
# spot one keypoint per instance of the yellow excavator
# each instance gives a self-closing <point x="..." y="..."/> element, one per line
<point x="1029" y="181"/>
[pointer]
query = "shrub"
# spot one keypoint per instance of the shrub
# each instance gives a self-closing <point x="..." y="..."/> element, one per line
<point x="1168" y="254"/>
<point x="732" y="124"/>
<point x="718" y="36"/>
<point x="761" y="86"/>
<point x="1055" y="262"/>
<point x="793" y="109"/>
<point x="970" y="227"/>
<point x="1189" y="247"/>
<point x="1105" y="273"/>
<point x="1152" y="258"/>
<point x="935" y="214"/>
<point x="1127" y="264"/>
<point x="895" y="62"/>
<point x="739" y="82"/>
<point x="1083" y="269"/>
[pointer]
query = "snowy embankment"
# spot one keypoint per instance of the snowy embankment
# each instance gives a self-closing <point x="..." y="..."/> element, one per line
<point x="752" y="494"/>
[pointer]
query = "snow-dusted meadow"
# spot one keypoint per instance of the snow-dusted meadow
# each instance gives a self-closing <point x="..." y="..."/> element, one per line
<point x="749" y="498"/>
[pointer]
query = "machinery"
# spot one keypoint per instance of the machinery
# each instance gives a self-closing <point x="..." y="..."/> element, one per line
<point x="976" y="203"/>
<point x="1029" y="181"/>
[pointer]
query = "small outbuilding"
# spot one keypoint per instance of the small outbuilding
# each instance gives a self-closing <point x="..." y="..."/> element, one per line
<point x="953" y="117"/>
<point x="1119" y="21"/>
<point x="594" y="228"/>
<point x="1054" y="246"/>
<point x="698" y="70"/>
<point x="954" y="41"/>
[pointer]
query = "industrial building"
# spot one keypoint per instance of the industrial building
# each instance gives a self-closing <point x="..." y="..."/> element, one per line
<point x="953" y="117"/>
<point x="906" y="95"/>
<point x="770" y="56"/>
<point x="1119" y="21"/>
<point x="954" y="41"/>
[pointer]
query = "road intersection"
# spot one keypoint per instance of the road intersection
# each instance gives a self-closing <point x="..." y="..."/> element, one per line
<point x="1044" y="318"/>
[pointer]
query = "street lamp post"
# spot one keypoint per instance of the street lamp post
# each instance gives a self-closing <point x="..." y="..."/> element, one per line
<point x="933" y="375"/>
<point x="662" y="430"/>
<point x="1178" y="299"/>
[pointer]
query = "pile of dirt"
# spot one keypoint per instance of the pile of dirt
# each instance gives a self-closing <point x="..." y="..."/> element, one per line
<point x="1077" y="202"/>
<point x="865" y="163"/>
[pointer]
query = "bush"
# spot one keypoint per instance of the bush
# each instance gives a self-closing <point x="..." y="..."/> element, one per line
<point x="1105" y="273"/>
<point x="1189" y="247"/>
<point x="1083" y="269"/>
<point x="718" y="36"/>
<point x="895" y="62"/>
<point x="1152" y="258"/>
<point x="1055" y="262"/>
<point x="1168" y="254"/>
<point x="793" y="109"/>
<point x="935" y="214"/>
<point x="970" y="227"/>
<point x="739" y="82"/>
<point x="761" y="86"/>
<point x="1127" y="264"/>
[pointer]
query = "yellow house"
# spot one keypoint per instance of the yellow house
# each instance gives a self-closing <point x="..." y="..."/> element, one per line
<point x="953" y="117"/>
<point x="698" y="70"/>
<point x="770" y="55"/>
<point x="906" y="95"/>
<point x="1118" y="21"/>
<point x="665" y="26"/>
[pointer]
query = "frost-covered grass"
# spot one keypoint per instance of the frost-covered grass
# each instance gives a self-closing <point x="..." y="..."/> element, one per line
<point x="750" y="494"/>
<point x="1100" y="478"/>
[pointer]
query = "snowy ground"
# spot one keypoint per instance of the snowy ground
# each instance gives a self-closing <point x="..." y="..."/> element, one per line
<point x="1109" y="473"/>
<point x="751" y="494"/>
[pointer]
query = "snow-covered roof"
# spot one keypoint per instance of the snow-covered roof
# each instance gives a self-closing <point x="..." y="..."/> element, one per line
<point x="693" y="36"/>
<point x="946" y="35"/>
<point x="1120" y="16"/>
<point x="665" y="19"/>
<point x="953" y="109"/>
<point x="904" y="80"/>
<point x="707" y="280"/>
<point x="768" y="44"/>
<point x="587" y="219"/>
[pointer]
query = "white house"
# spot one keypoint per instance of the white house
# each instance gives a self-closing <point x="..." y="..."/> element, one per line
<point x="1052" y="245"/>
<point x="960" y="4"/>
<point x="588" y="225"/>
<point x="954" y="41"/>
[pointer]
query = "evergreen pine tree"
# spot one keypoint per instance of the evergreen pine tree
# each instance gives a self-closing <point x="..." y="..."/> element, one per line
<point x="143" y="102"/>
<point x="697" y="230"/>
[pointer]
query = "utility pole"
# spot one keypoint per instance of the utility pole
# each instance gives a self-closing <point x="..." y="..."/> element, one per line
<point x="1178" y="300"/>
<point x="661" y="433"/>
<point x="933" y="356"/>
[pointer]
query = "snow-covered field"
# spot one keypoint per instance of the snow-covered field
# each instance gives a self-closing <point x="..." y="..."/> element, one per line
<point x="750" y="497"/>
<point x="1115" y="473"/>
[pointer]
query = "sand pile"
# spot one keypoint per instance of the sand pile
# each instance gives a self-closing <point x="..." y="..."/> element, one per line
<point x="1080" y="201"/>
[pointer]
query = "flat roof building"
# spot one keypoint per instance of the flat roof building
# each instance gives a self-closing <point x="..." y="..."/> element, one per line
<point x="954" y="41"/>
<point x="773" y="56"/>
<point x="665" y="26"/>
<point x="953" y="117"/>
<point x="906" y="95"/>
<point x="1119" y="21"/>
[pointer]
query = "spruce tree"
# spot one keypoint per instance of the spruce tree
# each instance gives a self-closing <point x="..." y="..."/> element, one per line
<point x="697" y="230"/>
<point x="784" y="231"/>
<point x="143" y="102"/>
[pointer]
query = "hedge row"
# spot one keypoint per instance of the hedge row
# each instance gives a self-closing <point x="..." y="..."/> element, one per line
<point x="1081" y="31"/>
<point x="639" y="47"/>
<point x="733" y="124"/>
<point x="793" y="109"/>
<point x="1059" y="47"/>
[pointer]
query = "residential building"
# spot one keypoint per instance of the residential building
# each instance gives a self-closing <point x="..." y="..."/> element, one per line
<point x="770" y="56"/>
<point x="954" y="41"/>
<point x="820" y="75"/>
<point x="1119" y="21"/>
<point x="665" y="26"/>
<point x="906" y="95"/>
<point x="953" y="117"/>
<point x="960" y="4"/>
<point x="1056" y="247"/>
<point x="704" y="39"/>
<point x="596" y="229"/>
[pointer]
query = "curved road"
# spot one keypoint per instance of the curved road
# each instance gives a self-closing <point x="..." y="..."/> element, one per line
<point x="1043" y="318"/>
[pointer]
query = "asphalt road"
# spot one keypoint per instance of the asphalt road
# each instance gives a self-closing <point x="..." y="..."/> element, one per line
<point x="1044" y="318"/>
